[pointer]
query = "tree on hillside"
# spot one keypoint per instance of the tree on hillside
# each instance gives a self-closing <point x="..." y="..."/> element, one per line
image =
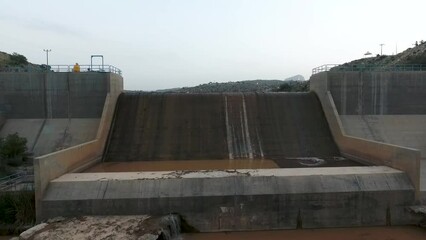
<point x="17" y="59"/>
<point x="294" y="86"/>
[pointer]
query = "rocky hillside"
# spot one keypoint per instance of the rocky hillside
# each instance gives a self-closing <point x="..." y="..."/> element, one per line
<point x="415" y="55"/>
<point x="16" y="62"/>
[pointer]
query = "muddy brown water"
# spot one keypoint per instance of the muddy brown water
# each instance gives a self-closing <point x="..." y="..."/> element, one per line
<point x="369" y="233"/>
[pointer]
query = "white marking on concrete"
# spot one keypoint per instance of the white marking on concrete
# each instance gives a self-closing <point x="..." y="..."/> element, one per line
<point x="260" y="144"/>
<point x="228" y="131"/>
<point x="243" y="144"/>
<point x="248" y="140"/>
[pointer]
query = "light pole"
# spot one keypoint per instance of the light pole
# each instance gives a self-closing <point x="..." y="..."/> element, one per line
<point x="381" y="49"/>
<point x="47" y="55"/>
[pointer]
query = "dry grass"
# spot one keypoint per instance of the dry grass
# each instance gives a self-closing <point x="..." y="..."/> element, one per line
<point x="17" y="208"/>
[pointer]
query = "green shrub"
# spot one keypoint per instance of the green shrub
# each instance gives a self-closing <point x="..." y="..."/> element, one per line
<point x="419" y="59"/>
<point x="13" y="146"/>
<point x="17" y="59"/>
<point x="294" y="86"/>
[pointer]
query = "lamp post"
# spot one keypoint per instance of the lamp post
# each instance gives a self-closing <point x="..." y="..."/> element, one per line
<point x="47" y="55"/>
<point x="381" y="49"/>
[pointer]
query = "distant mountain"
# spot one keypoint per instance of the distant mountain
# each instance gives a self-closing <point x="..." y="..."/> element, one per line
<point x="295" y="78"/>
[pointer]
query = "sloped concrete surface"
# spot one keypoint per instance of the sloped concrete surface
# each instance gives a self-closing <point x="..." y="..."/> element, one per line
<point x="276" y="126"/>
<point x="402" y="130"/>
<point x="58" y="134"/>
<point x="28" y="128"/>
<point x="50" y="135"/>
<point x="241" y="199"/>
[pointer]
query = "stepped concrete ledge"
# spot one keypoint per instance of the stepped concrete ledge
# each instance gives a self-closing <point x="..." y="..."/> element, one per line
<point x="242" y="199"/>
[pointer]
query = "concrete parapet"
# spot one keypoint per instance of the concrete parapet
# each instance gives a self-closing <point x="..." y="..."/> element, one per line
<point x="402" y="158"/>
<point x="241" y="199"/>
<point x="51" y="166"/>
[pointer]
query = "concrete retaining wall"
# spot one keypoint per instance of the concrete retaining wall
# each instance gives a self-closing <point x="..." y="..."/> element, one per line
<point x="370" y="93"/>
<point x="54" y="165"/>
<point x="52" y="95"/>
<point x="373" y="152"/>
<point x="242" y="199"/>
<point x="407" y="130"/>
<point x="45" y="136"/>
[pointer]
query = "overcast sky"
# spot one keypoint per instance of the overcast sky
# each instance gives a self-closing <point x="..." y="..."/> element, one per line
<point x="175" y="43"/>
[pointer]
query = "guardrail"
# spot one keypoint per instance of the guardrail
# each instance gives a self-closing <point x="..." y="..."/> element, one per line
<point x="85" y="68"/>
<point x="324" y="68"/>
<point x="17" y="181"/>
<point x="369" y="68"/>
<point x="61" y="68"/>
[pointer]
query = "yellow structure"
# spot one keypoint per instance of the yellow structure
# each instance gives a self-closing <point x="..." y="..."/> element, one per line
<point x="76" y="68"/>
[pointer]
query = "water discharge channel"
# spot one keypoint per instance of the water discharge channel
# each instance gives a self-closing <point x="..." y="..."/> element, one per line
<point x="167" y="131"/>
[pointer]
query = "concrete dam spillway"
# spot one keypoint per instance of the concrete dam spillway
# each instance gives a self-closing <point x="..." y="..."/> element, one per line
<point x="287" y="128"/>
<point x="228" y="162"/>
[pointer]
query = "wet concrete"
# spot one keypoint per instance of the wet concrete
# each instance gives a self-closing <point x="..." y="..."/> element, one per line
<point x="288" y="128"/>
<point x="182" y="165"/>
<point x="371" y="233"/>
<point x="170" y="165"/>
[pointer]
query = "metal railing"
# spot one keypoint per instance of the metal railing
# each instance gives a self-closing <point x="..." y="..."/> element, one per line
<point x="85" y="68"/>
<point x="369" y="68"/>
<point x="17" y="181"/>
<point x="324" y="68"/>
<point x="62" y="68"/>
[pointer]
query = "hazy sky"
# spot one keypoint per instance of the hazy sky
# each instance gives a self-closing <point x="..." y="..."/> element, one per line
<point x="174" y="43"/>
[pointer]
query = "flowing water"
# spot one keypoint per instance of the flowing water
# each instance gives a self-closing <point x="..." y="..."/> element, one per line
<point x="170" y="225"/>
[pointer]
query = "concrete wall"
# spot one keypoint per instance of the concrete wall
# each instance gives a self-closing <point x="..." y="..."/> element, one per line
<point x="373" y="152"/>
<point x="52" y="95"/>
<point x="370" y="93"/>
<point x="408" y="130"/>
<point x="262" y="199"/>
<point x="51" y="166"/>
<point x="52" y="110"/>
<point x="50" y="135"/>
<point x="22" y="95"/>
